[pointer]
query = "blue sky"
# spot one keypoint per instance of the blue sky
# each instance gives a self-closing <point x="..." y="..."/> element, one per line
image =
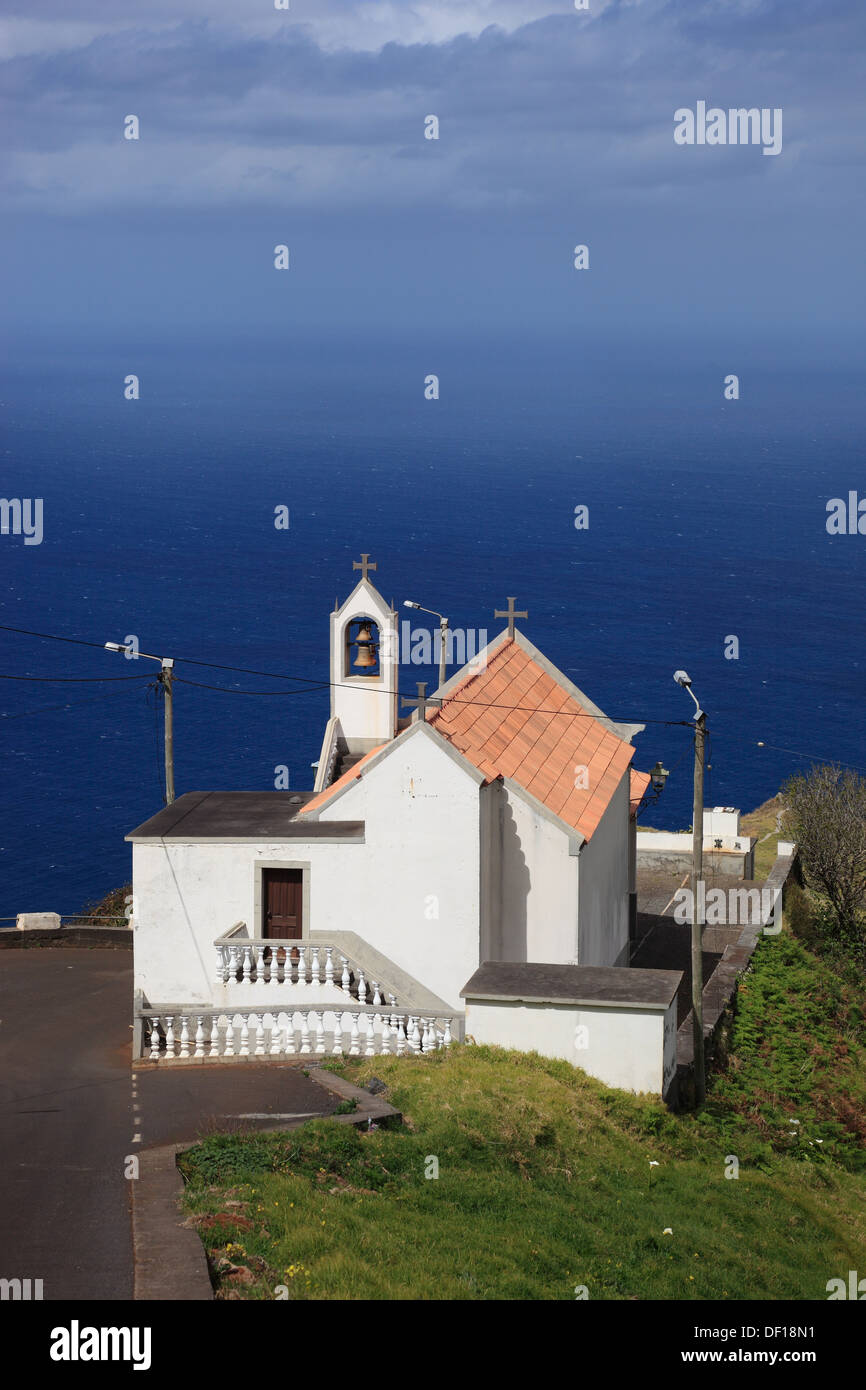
<point x="556" y="127"/>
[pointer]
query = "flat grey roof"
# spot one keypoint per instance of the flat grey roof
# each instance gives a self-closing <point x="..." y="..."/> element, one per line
<point x="242" y="816"/>
<point x="530" y="982"/>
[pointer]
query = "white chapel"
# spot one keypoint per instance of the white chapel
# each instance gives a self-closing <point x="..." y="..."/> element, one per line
<point x="488" y="828"/>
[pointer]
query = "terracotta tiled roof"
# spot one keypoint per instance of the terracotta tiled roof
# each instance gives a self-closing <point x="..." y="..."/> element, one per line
<point x="638" y="784"/>
<point x="341" y="782"/>
<point x="513" y="719"/>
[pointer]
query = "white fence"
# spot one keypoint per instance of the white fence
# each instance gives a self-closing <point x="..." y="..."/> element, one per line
<point x="218" y="1034"/>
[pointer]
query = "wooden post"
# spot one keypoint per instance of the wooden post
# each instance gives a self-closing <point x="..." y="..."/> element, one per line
<point x="697" y="911"/>
<point x="166" y="679"/>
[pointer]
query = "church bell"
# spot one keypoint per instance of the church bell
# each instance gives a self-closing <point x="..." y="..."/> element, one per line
<point x="366" y="648"/>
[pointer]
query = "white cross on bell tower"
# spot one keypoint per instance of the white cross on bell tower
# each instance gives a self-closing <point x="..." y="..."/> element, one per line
<point x="364" y="664"/>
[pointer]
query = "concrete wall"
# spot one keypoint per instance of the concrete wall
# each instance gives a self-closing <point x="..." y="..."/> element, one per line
<point x="604" y="886"/>
<point x="633" y="1049"/>
<point x="722" y="863"/>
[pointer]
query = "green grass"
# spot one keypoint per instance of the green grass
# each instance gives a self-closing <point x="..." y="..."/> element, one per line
<point x="545" y="1181"/>
<point x="761" y="823"/>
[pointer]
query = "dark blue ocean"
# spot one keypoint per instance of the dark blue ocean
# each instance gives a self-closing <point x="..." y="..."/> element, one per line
<point x="707" y="519"/>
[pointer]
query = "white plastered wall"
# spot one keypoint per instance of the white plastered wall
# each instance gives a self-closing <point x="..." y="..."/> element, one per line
<point x="189" y="894"/>
<point x="538" y="893"/>
<point x="604" y="886"/>
<point x="622" y="1047"/>
<point x="419" y="898"/>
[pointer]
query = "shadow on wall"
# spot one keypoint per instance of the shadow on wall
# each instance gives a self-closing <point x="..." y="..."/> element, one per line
<point x="515" y="892"/>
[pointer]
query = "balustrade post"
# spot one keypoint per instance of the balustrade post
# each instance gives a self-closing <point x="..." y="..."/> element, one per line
<point x="230" y="1037"/>
<point x="248" y="964"/>
<point x="276" y="1033"/>
<point x="362" y="988"/>
<point x="214" y="1036"/>
<point x="314" y="966"/>
<point x="199" y="1037"/>
<point x="305" y="1032"/>
<point x="154" y="1039"/>
<point x="329" y="965"/>
<point x="337" y="1049"/>
<point x="169" y="1037"/>
<point x="274" y="973"/>
<point x="320" y="1031"/>
<point x="345" y="978"/>
<point x="244" y="1050"/>
<point x="221" y="966"/>
<point x="354" y="1050"/>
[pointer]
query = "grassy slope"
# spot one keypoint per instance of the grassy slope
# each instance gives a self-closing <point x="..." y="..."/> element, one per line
<point x="544" y="1175"/>
<point x="761" y="823"/>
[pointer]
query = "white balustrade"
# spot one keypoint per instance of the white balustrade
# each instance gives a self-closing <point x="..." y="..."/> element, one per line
<point x="214" y="1034"/>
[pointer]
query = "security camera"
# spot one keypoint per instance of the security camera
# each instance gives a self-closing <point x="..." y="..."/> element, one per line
<point x="682" y="678"/>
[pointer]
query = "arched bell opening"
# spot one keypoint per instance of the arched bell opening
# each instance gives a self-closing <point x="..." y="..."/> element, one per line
<point x="361" y="652"/>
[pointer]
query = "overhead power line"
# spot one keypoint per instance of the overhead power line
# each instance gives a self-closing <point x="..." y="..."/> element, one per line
<point x="318" y="684"/>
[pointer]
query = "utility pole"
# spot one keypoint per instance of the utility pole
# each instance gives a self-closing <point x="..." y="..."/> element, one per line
<point x="165" y="678"/>
<point x="443" y="636"/>
<point x="443" y="640"/>
<point x="697" y="911"/>
<point x="682" y="679"/>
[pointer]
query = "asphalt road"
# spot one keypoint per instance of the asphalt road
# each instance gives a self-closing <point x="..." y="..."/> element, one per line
<point x="72" y="1112"/>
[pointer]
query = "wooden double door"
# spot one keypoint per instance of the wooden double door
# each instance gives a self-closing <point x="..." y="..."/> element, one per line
<point x="283" y="896"/>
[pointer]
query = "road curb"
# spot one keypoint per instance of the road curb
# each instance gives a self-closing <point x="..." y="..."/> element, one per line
<point x="169" y="1260"/>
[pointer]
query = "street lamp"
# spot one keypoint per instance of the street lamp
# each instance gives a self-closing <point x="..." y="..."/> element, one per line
<point x="165" y="680"/>
<point x="682" y="678"/>
<point x="443" y="635"/>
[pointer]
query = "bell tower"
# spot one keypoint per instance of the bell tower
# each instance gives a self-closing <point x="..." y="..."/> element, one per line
<point x="364" y="665"/>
